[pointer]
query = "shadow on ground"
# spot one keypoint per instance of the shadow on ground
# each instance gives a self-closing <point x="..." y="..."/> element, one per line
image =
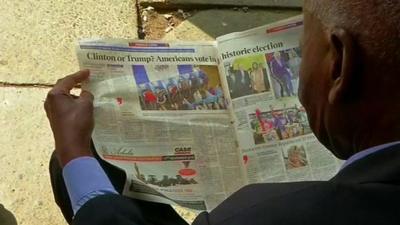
<point x="6" y="217"/>
<point x="212" y="23"/>
<point x="219" y="22"/>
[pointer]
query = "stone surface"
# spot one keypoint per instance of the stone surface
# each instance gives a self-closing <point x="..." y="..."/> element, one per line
<point x="38" y="37"/>
<point x="209" y="24"/>
<point x="26" y="145"/>
<point x="252" y="3"/>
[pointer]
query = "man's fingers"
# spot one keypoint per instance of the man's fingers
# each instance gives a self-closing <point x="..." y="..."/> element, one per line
<point x="68" y="82"/>
<point x="85" y="95"/>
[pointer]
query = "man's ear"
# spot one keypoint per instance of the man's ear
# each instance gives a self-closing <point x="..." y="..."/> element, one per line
<point x="342" y="49"/>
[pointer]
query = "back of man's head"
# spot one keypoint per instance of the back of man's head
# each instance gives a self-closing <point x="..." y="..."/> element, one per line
<point x="375" y="24"/>
<point x="350" y="72"/>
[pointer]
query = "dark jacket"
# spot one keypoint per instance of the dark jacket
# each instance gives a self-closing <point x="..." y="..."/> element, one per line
<point x="366" y="192"/>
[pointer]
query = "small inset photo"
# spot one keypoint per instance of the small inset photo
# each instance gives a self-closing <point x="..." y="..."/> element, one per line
<point x="295" y="157"/>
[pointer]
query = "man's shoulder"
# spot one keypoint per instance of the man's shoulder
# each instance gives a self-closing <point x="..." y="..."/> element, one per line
<point x="323" y="202"/>
<point x="255" y="195"/>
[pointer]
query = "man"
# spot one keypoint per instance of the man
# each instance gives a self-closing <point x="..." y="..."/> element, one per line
<point x="265" y="75"/>
<point x="231" y="78"/>
<point x="281" y="73"/>
<point x="150" y="99"/>
<point x="349" y="88"/>
<point x="243" y="82"/>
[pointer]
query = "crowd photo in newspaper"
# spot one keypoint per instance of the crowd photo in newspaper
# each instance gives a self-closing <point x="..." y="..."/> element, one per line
<point x="195" y="88"/>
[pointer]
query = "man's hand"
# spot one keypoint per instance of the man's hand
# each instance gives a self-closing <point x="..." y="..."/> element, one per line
<point x="71" y="118"/>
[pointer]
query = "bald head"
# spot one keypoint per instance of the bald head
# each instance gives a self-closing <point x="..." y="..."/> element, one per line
<point x="350" y="73"/>
<point x="375" y="24"/>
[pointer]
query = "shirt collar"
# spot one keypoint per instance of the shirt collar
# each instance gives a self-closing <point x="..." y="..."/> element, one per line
<point x="367" y="152"/>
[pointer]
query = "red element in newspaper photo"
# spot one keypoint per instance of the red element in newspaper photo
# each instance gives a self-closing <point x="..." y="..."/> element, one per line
<point x="284" y="27"/>
<point x="120" y="101"/>
<point x="187" y="172"/>
<point x="245" y="159"/>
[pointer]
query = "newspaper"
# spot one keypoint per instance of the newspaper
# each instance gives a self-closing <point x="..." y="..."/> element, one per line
<point x="192" y="122"/>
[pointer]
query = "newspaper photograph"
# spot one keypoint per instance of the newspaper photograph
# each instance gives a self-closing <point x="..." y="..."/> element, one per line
<point x="193" y="88"/>
<point x="247" y="76"/>
<point x="284" y="68"/>
<point x="285" y="122"/>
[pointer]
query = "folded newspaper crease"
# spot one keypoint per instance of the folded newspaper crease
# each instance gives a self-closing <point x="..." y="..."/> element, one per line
<point x="192" y="122"/>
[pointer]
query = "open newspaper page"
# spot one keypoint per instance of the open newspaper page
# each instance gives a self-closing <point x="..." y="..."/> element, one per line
<point x="262" y="75"/>
<point x="161" y="116"/>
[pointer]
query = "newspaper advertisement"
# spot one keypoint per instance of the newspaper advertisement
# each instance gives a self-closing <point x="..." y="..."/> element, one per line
<point x="262" y="77"/>
<point x="161" y="115"/>
<point x="190" y="123"/>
